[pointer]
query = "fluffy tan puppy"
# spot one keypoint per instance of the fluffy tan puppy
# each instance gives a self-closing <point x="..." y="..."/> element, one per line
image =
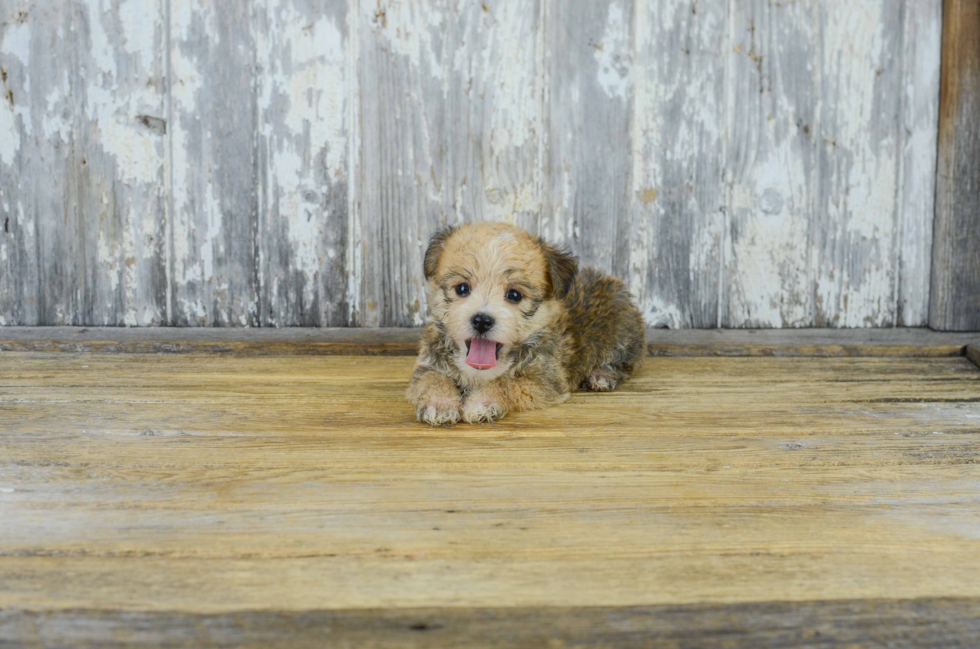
<point x="514" y="325"/>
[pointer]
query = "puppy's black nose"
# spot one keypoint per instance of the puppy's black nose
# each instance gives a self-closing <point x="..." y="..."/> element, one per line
<point x="482" y="323"/>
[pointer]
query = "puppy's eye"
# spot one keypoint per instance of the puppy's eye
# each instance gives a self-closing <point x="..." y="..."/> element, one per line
<point x="463" y="289"/>
<point x="514" y="296"/>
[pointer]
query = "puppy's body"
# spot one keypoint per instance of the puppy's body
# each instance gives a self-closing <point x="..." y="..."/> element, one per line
<point x="515" y="326"/>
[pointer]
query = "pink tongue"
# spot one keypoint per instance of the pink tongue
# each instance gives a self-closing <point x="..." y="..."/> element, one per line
<point x="483" y="354"/>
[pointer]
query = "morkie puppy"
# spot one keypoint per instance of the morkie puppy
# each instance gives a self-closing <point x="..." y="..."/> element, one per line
<point x="514" y="325"/>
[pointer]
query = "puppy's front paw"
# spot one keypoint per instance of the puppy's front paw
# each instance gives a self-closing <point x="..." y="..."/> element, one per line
<point x="438" y="411"/>
<point x="601" y="380"/>
<point x="479" y="409"/>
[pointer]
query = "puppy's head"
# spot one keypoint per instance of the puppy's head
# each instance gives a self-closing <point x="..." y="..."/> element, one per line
<point x="493" y="287"/>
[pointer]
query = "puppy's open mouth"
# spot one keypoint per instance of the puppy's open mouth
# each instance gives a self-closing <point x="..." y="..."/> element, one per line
<point x="482" y="353"/>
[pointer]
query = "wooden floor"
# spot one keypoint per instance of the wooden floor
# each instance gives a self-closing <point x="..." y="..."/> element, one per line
<point x="160" y="499"/>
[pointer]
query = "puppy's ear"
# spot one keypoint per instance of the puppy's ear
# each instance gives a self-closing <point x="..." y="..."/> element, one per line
<point x="562" y="267"/>
<point x="432" y="253"/>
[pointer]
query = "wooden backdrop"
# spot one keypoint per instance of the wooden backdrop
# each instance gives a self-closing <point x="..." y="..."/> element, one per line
<point x="742" y="163"/>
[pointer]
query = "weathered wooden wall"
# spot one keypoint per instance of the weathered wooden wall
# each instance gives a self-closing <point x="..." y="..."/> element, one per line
<point x="748" y="163"/>
<point x="955" y="291"/>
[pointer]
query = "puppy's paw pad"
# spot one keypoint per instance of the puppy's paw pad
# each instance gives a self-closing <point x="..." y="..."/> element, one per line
<point x="600" y="381"/>
<point x="438" y="412"/>
<point x="479" y="410"/>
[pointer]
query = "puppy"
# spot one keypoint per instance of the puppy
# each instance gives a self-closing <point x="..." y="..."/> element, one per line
<point x="514" y="325"/>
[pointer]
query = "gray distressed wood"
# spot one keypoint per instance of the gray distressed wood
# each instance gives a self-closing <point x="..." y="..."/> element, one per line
<point x="302" y="69"/>
<point x="496" y="123"/>
<point x="772" y="164"/>
<point x="591" y="100"/>
<point x="118" y="182"/>
<point x="831" y="198"/>
<point x="759" y="625"/>
<point x="215" y="247"/>
<point x="854" y="231"/>
<point x="955" y="301"/>
<point x="742" y="164"/>
<point x="896" y="341"/>
<point x="921" y="48"/>
<point x="36" y="140"/>
<point x="402" y="104"/>
<point x="679" y="135"/>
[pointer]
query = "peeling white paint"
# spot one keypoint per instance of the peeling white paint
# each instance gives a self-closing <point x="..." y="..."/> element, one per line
<point x="826" y="200"/>
<point x="855" y="272"/>
<point x="303" y="121"/>
<point x="9" y="134"/>
<point x="192" y="264"/>
<point x="614" y="56"/>
<point x="15" y="41"/>
<point x="922" y="40"/>
<point x="409" y="29"/>
<point x="769" y="242"/>
<point x="661" y="314"/>
<point x="354" y="263"/>
<point x="56" y="124"/>
<point x="15" y="46"/>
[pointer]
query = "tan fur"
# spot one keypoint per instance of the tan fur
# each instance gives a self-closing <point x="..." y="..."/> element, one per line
<point x="571" y="329"/>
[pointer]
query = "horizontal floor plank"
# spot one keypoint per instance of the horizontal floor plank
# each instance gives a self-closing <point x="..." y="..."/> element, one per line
<point x="404" y="342"/>
<point x="764" y="625"/>
<point x="190" y="484"/>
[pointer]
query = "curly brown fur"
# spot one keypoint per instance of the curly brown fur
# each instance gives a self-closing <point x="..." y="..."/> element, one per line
<point x="607" y="334"/>
<point x="546" y="327"/>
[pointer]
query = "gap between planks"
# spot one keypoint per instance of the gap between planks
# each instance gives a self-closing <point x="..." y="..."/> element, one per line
<point x="897" y="342"/>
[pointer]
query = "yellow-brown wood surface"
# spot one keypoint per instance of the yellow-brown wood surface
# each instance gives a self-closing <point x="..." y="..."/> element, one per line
<point x="211" y="484"/>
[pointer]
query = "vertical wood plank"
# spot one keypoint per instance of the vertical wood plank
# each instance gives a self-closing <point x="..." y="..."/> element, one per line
<point x="823" y="229"/>
<point x="37" y="263"/>
<point x="921" y="50"/>
<point x="853" y="228"/>
<point x="302" y="162"/>
<point x="955" y="295"/>
<point x="744" y="163"/>
<point x="18" y="229"/>
<point x="215" y="165"/>
<point x="403" y="163"/>
<point x="497" y="112"/>
<point x="676" y="193"/>
<point x="591" y="97"/>
<point x="118" y="180"/>
<point x="772" y="163"/>
<point x="452" y="128"/>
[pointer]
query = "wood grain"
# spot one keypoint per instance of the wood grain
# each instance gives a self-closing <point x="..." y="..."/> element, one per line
<point x="284" y="163"/>
<point x="913" y="624"/>
<point x="37" y="262"/>
<point x="955" y="303"/>
<point x="153" y="500"/>
<point x="973" y="353"/>
<point x="119" y="186"/>
<point x="772" y="164"/>
<point x="591" y="105"/>
<point x="677" y="200"/>
<point x="404" y="342"/>
<point x="301" y="69"/>
<point x="405" y="180"/>
<point x="918" y="146"/>
<point x="215" y="485"/>
<point x="215" y="255"/>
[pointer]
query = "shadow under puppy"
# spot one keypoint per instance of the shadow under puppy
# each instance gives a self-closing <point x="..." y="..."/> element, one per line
<point x="514" y="325"/>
